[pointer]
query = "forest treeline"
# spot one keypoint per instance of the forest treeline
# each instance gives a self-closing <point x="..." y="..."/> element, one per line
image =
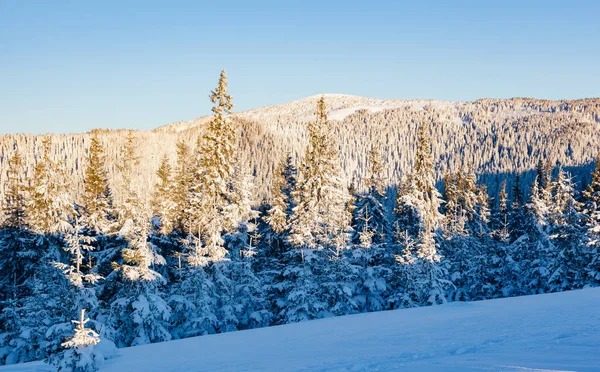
<point x="199" y="256"/>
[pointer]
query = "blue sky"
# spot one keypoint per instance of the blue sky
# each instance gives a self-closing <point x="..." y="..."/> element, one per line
<point x="69" y="66"/>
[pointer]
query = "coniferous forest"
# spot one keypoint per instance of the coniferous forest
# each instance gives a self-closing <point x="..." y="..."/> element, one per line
<point x="211" y="249"/>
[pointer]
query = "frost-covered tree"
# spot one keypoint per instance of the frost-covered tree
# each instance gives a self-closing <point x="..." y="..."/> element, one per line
<point x="182" y="184"/>
<point x="97" y="198"/>
<point x="321" y="214"/>
<point x="77" y="246"/>
<point x="128" y="161"/>
<point x="193" y="297"/>
<point x="163" y="205"/>
<point x="217" y="165"/>
<point x="371" y="222"/>
<point x="49" y="208"/>
<point x="500" y="217"/>
<point x="19" y="253"/>
<point x="138" y="312"/>
<point x="14" y="201"/>
<point x="568" y="261"/>
<point x="282" y="204"/>
<point x="79" y="354"/>
<point x="591" y="199"/>
<point x="422" y="200"/>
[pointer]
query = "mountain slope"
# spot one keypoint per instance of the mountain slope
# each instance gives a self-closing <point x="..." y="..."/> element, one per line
<point x="554" y="332"/>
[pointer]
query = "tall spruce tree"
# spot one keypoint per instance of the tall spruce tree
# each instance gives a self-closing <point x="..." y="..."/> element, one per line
<point x="219" y="147"/>
<point x="320" y="215"/>
<point x="419" y="196"/>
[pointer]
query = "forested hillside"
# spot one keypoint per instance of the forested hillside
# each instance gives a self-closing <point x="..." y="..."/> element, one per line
<point x="498" y="138"/>
<point x="167" y="234"/>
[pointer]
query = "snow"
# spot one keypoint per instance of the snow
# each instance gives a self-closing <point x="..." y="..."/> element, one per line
<point x="551" y="332"/>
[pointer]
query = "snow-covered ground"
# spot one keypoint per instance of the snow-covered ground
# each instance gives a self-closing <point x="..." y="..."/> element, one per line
<point x="554" y="332"/>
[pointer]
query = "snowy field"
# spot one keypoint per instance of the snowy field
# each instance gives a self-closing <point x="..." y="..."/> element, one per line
<point x="554" y="332"/>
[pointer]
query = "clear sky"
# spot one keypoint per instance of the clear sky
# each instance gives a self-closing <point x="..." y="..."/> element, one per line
<point x="69" y="66"/>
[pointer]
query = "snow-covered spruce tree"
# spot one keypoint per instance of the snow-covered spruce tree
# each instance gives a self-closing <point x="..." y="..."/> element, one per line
<point x="567" y="263"/>
<point x="320" y="195"/>
<point x="18" y="253"/>
<point x="517" y="215"/>
<point x="369" y="264"/>
<point x="246" y="305"/>
<point x="502" y="269"/>
<point x="319" y="226"/>
<point x="282" y="204"/>
<point x="49" y="208"/>
<point x="420" y="196"/>
<point x="162" y="204"/>
<point x="241" y="300"/>
<point x="77" y="246"/>
<point x="219" y="148"/>
<point x="193" y="297"/>
<point x="129" y="206"/>
<point x="533" y="249"/>
<point x="462" y="253"/>
<point x="97" y="199"/>
<point x="79" y="354"/>
<point x="182" y="184"/>
<point x="500" y="217"/>
<point x="139" y="313"/>
<point x="371" y="222"/>
<point x="591" y="199"/>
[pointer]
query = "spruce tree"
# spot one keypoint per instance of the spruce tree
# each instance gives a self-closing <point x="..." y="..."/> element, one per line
<point x="420" y="195"/>
<point x="567" y="262"/>
<point x="49" y="208"/>
<point x="182" y="184"/>
<point x="139" y="313"/>
<point x="97" y="198"/>
<point x="591" y="199"/>
<point x="321" y="213"/>
<point x="128" y="161"/>
<point x="219" y="147"/>
<point x="371" y="222"/>
<point x="162" y="203"/>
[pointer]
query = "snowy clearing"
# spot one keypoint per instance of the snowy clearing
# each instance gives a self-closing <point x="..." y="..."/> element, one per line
<point x="553" y="332"/>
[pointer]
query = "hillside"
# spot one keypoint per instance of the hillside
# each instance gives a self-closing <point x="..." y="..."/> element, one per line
<point x="499" y="138"/>
<point x="553" y="332"/>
